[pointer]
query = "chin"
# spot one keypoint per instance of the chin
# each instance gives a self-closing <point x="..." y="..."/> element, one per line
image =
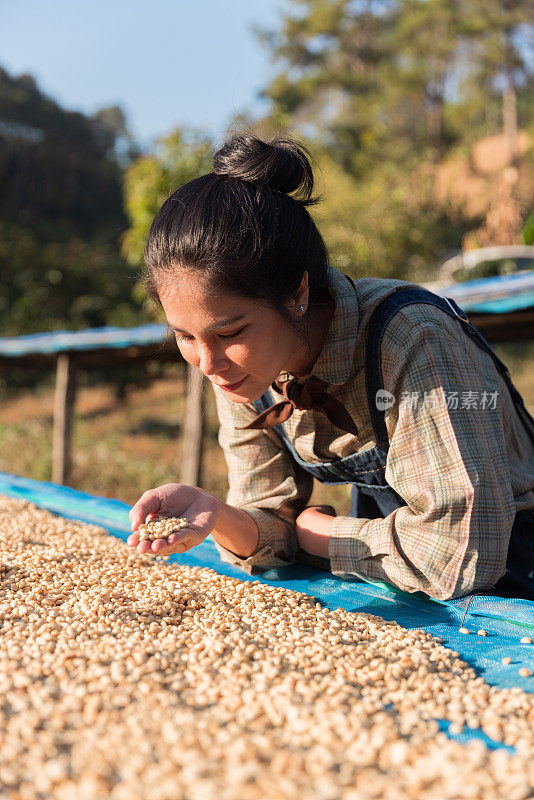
<point x="240" y="398"/>
<point x="251" y="395"/>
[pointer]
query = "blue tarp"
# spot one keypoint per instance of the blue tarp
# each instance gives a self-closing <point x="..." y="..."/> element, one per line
<point x="498" y="295"/>
<point x="88" y="339"/>
<point x="506" y="620"/>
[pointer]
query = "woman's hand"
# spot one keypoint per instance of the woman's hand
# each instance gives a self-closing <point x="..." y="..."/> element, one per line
<point x="175" y="500"/>
<point x="312" y="526"/>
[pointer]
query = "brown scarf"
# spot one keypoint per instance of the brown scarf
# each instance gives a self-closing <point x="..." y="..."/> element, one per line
<point x="304" y="393"/>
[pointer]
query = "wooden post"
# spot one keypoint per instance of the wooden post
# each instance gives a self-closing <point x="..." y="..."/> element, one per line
<point x="193" y="428"/>
<point x="63" y="405"/>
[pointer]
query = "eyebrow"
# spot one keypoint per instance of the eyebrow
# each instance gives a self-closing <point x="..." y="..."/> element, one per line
<point x="222" y="323"/>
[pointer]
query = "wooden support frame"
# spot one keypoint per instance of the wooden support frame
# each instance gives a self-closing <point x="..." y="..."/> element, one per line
<point x="516" y="326"/>
<point x="193" y="429"/>
<point x="63" y="406"/>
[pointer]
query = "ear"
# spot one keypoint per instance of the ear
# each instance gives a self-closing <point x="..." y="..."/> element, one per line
<point x="302" y="296"/>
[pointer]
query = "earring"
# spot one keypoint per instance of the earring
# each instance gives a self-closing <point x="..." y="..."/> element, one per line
<point x="301" y="309"/>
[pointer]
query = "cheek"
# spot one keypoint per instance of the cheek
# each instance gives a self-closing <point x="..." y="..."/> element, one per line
<point x="241" y="353"/>
<point x="258" y="355"/>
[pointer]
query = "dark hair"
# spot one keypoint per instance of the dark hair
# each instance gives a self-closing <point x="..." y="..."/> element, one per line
<point x="244" y="226"/>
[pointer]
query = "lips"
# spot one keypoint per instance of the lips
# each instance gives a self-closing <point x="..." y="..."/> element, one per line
<point x="231" y="387"/>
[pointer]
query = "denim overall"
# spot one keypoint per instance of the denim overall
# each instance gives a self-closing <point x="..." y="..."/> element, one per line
<point x="372" y="496"/>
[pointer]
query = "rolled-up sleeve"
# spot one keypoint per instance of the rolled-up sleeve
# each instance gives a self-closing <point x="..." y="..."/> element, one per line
<point x="446" y="460"/>
<point x="265" y="482"/>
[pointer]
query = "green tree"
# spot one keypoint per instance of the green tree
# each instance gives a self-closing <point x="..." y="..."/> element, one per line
<point x="332" y="83"/>
<point x="58" y="171"/>
<point x="390" y="74"/>
<point x="61" y="213"/>
<point x="180" y="157"/>
<point x="502" y="46"/>
<point x="386" y="227"/>
<point x="388" y="89"/>
<point x="62" y="285"/>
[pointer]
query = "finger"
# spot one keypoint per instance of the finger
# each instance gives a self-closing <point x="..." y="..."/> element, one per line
<point x="179" y="544"/>
<point x="178" y="536"/>
<point x="177" y="548"/>
<point x="133" y="539"/>
<point x="164" y="547"/>
<point x="148" y="503"/>
<point x="143" y="547"/>
<point x="158" y="545"/>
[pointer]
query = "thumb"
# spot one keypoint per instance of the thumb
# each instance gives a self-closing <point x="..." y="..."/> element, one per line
<point x="148" y="503"/>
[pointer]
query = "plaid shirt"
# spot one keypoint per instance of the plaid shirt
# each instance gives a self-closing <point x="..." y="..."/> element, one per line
<point x="462" y="471"/>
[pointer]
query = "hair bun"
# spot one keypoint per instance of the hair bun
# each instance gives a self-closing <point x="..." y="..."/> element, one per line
<point x="281" y="164"/>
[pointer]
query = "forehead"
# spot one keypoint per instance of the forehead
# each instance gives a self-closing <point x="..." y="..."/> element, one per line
<point x="186" y="300"/>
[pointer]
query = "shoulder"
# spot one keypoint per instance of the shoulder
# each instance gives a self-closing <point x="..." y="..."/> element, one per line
<point x="415" y="320"/>
<point x="413" y="323"/>
<point x="420" y="322"/>
<point x="418" y="334"/>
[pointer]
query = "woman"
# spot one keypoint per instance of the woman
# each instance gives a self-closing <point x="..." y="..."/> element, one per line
<point x="370" y="383"/>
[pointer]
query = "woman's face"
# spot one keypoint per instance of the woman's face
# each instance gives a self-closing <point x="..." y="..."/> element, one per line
<point x="238" y="344"/>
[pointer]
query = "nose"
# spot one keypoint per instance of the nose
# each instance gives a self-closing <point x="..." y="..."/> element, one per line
<point x="211" y="360"/>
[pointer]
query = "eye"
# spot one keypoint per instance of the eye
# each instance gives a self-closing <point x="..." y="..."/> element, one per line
<point x="231" y="335"/>
<point x="183" y="337"/>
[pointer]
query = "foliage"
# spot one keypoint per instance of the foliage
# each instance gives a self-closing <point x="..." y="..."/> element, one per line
<point x="386" y="225"/>
<point x="58" y="172"/>
<point x="387" y="89"/>
<point x="60" y="215"/>
<point x="62" y="285"/>
<point x="388" y="72"/>
<point x="501" y="37"/>
<point x="180" y="157"/>
<point x="528" y="229"/>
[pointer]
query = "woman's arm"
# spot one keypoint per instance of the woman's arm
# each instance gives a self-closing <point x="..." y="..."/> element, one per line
<point x="255" y="528"/>
<point x="265" y="484"/>
<point x="235" y="530"/>
<point x="312" y="527"/>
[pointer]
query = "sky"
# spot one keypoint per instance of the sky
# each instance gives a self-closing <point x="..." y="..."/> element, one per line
<point x="165" y="62"/>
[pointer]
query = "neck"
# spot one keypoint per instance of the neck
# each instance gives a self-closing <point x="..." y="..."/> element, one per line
<point x="306" y="352"/>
